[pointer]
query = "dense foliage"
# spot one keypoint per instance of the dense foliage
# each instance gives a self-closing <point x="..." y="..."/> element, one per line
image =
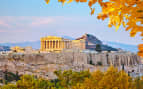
<point x="111" y="79"/>
<point x="9" y="77"/>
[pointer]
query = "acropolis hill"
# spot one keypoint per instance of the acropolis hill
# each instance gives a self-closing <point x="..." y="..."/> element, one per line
<point x="87" y="41"/>
<point x="58" y="53"/>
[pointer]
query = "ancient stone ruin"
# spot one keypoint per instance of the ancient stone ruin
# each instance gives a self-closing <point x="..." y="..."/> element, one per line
<point x="43" y="64"/>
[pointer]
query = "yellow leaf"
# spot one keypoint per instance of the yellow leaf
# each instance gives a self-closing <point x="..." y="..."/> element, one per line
<point x="69" y="1"/>
<point x="117" y="27"/>
<point x="92" y="11"/>
<point x="141" y="34"/>
<point x="104" y="16"/>
<point x="132" y="34"/>
<point x="141" y="21"/>
<point x="100" y="2"/>
<point x="77" y="0"/>
<point x="126" y="16"/>
<point x="128" y="28"/>
<point x="94" y="1"/>
<point x="109" y="25"/>
<point x="90" y="3"/>
<point x="83" y="0"/>
<point x="111" y="9"/>
<point x="140" y="47"/>
<point x="140" y="53"/>
<point x="124" y="24"/>
<point x="62" y="1"/>
<point x="47" y="1"/>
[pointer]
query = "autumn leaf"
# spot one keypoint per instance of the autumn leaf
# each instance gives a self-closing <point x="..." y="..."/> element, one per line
<point x="92" y="11"/>
<point x="140" y="47"/>
<point x="83" y="0"/>
<point x="77" y="0"/>
<point x="90" y="3"/>
<point x="47" y="1"/>
<point x="69" y="1"/>
<point x="109" y="25"/>
<point x="117" y="27"/>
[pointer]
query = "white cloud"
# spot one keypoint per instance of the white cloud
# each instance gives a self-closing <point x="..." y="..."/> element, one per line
<point x="27" y="28"/>
<point x="2" y="23"/>
<point x="42" y="21"/>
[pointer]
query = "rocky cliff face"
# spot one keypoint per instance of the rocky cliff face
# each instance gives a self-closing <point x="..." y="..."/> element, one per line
<point x="44" y="64"/>
<point x="76" y="58"/>
<point x="92" y="41"/>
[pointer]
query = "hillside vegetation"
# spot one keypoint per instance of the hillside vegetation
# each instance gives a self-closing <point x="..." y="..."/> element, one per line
<point x="111" y="79"/>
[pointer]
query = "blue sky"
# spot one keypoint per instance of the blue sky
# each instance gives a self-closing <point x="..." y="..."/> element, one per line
<point x="28" y="20"/>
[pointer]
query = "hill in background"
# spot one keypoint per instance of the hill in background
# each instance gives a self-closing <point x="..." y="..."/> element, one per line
<point x="91" y="38"/>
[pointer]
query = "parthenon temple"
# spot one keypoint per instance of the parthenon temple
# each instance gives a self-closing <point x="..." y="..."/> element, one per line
<point x="53" y="43"/>
<point x="87" y="41"/>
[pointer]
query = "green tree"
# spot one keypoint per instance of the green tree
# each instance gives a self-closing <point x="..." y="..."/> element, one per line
<point x="69" y="78"/>
<point x="111" y="79"/>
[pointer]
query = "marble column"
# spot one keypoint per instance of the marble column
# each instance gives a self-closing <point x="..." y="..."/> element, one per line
<point x="48" y="44"/>
<point x="52" y="44"/>
<point x="56" y="44"/>
<point x="42" y="45"/>
<point x="59" y="44"/>
<point x="45" y="44"/>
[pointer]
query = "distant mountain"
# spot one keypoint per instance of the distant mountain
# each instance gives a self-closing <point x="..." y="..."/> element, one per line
<point x="91" y="40"/>
<point x="33" y="44"/>
<point x="127" y="47"/>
